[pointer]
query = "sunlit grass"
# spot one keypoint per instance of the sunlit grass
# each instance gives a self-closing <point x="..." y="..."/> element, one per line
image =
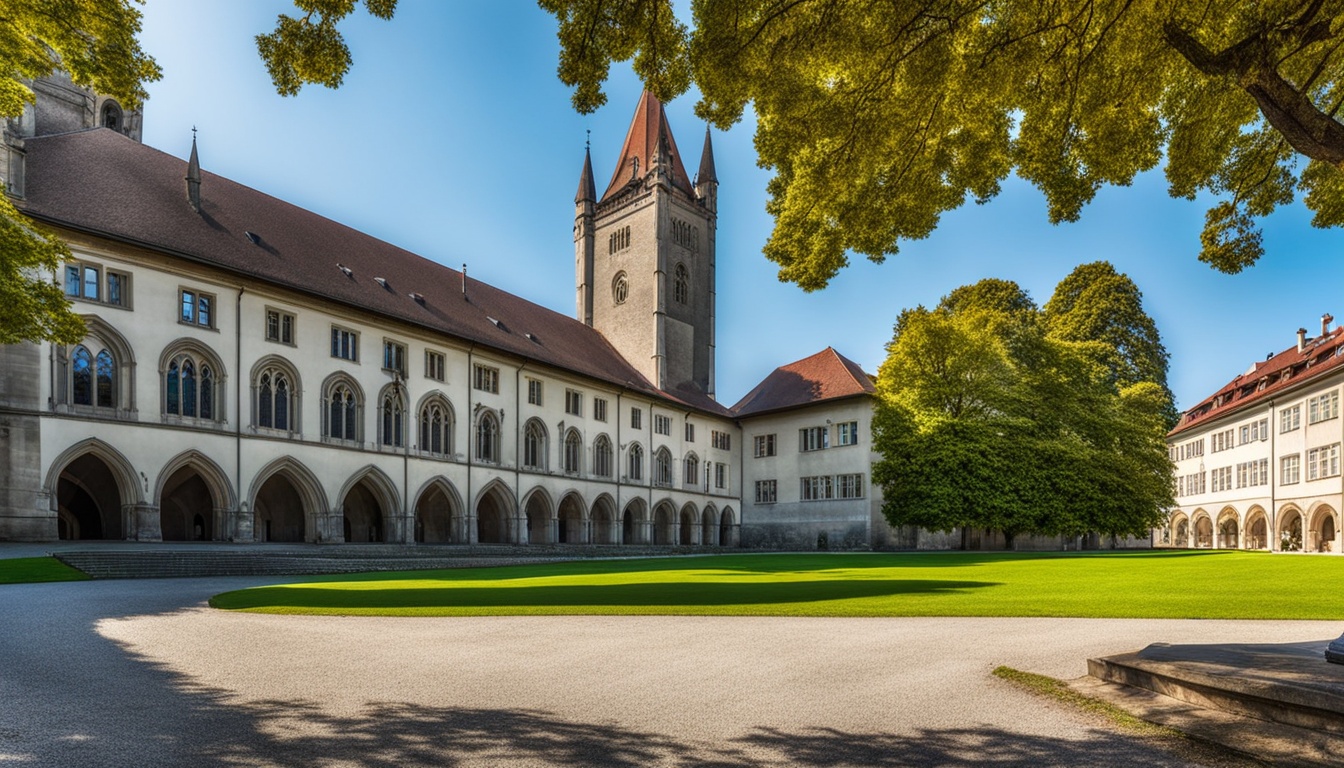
<point x="25" y="570"/>
<point x="1159" y="584"/>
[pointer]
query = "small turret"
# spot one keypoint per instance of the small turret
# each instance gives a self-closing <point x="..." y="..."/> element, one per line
<point x="706" y="180"/>
<point x="587" y="190"/>
<point x="194" y="177"/>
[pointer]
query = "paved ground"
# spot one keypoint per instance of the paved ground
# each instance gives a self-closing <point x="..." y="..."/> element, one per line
<point x="134" y="673"/>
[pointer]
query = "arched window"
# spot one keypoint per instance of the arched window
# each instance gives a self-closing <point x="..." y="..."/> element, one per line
<point x="276" y="395"/>
<point x="97" y="375"/>
<point x="620" y="288"/>
<point x="81" y="373"/>
<point x="602" y="457"/>
<point x="573" y="452"/>
<point x="392" y="418"/>
<point x="636" y="462"/>
<point x="534" y="445"/>
<point x="662" y="468"/>
<point x="436" y="427"/>
<point x="111" y="115"/>
<point x="691" y="470"/>
<point x="681" y="285"/>
<point x="343" y="410"/>
<point x="487" y="437"/>
<point x="190" y="384"/>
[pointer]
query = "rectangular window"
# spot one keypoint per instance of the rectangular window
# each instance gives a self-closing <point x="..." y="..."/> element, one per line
<point x="434" y="365"/>
<point x="573" y="402"/>
<point x="486" y="379"/>
<point x="1323" y="462"/>
<point x="279" y="327"/>
<point x="766" y="491"/>
<point x="721" y="440"/>
<point x="394" y="357"/>
<point x="690" y="432"/>
<point x="599" y="409"/>
<point x="534" y="391"/>
<point x="198" y="308"/>
<point x="1290" y="469"/>
<point x="636" y="418"/>
<point x="815" y="488"/>
<point x="763" y="446"/>
<point x="813" y="439"/>
<point x="344" y="343"/>
<point x="1323" y="407"/>
<point x="1290" y="418"/>
<point x="72" y="280"/>
<point x="1221" y="441"/>
<point x="720" y="475"/>
<point x="91" y="282"/>
<point x="662" y="425"/>
<point x="847" y="433"/>
<point x="1222" y="479"/>
<point x="118" y="288"/>
<point x="849" y="486"/>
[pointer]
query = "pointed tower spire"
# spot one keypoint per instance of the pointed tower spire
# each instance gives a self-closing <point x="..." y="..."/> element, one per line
<point x="586" y="189"/>
<point x="643" y="144"/>
<point x="706" y="172"/>
<point x="194" y="176"/>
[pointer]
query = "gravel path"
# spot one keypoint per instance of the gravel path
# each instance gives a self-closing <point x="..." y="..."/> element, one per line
<point x="135" y="673"/>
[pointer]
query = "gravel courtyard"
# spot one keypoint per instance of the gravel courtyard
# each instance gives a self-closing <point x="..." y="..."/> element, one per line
<point x="136" y="673"/>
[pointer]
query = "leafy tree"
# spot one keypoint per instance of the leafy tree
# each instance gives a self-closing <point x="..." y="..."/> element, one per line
<point x="1095" y="303"/>
<point x="94" y="41"/>
<point x="310" y="49"/>
<point x="985" y="419"/>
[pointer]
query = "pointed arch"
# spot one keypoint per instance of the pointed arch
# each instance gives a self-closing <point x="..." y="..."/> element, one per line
<point x="633" y="522"/>
<point x="192" y="381"/>
<point x="727" y="528"/>
<point x="690" y="470"/>
<point x="1228" y="528"/>
<point x="392" y="416"/>
<point x="1180" y="529"/>
<point x="128" y="482"/>
<point x="536" y="445"/>
<point x="571" y="516"/>
<point x="433" y="523"/>
<point x="1256" y="535"/>
<point x="277" y="395"/>
<point x="1201" y="529"/>
<point x="436" y="422"/>
<point x="634" y="469"/>
<point x="664" y="522"/>
<point x="605" y="526"/>
<point x="110" y="373"/>
<point x="493" y="509"/>
<point x="688" y="532"/>
<point x="487" y="436"/>
<point x="385" y="491"/>
<point x="342" y="408"/>
<point x="221" y="490"/>
<point x="292" y="480"/>
<point x="1291" y="533"/>
<point x="602" y="457"/>
<point x="1323" y="529"/>
<point x="539" y="513"/>
<point x="709" y="526"/>
<point x="572" y="463"/>
<point x="369" y="506"/>
<point x="662" y="467"/>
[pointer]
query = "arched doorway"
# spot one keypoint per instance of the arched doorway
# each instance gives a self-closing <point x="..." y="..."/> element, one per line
<point x="538" y="510"/>
<point x="726" y="525"/>
<point x="569" y="526"/>
<point x="686" y="536"/>
<point x="664" y="524"/>
<point x="1323" y="529"/>
<point x="279" y="513"/>
<point x="1204" y="532"/>
<point x="436" y="521"/>
<point x="492" y="517"/>
<point x="709" y="527"/>
<point x="186" y="507"/>
<point x="89" y="501"/>
<point x="364" y="520"/>
<point x="633" y="523"/>
<point x="604" y="521"/>
<point x="1180" y="536"/>
<point x="1228" y="530"/>
<point x="1257" y="532"/>
<point x="1290" y="530"/>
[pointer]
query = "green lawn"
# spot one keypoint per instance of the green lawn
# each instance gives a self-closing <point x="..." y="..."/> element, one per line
<point x="26" y="570"/>
<point x="1154" y="584"/>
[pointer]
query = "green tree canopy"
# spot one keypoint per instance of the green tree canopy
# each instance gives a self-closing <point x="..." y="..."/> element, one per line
<point x="94" y="41"/>
<point x="987" y="419"/>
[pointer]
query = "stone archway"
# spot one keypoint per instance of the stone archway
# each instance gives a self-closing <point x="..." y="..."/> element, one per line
<point x="688" y="528"/>
<point x="1291" y="533"/>
<point x="279" y="511"/>
<point x="1203" y="532"/>
<point x="437" y="520"/>
<point x="709" y="527"/>
<point x="363" y="517"/>
<point x="727" y="528"/>
<point x="604" y="526"/>
<point x="186" y="507"/>
<point x="1324" y="529"/>
<point x="1257" y="531"/>
<point x="537" y="510"/>
<point x="1180" y="530"/>
<point x="89" y="501"/>
<point x="664" y="524"/>
<point x="569" y="521"/>
<point x="632" y="523"/>
<point x="1229" y="530"/>
<point x="493" y="510"/>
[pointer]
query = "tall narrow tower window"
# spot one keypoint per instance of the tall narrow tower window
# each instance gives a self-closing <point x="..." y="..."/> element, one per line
<point x="619" y="240"/>
<point x="681" y="285"/>
<point x="111" y="115"/>
<point x="620" y="288"/>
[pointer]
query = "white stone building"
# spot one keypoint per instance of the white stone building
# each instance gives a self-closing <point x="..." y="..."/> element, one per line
<point x="1257" y="462"/>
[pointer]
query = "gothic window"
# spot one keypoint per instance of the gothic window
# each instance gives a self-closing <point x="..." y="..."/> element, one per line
<point x="662" y="468"/>
<point x="276" y="395"/>
<point x="618" y="241"/>
<point x="691" y="470"/>
<point x="573" y="452"/>
<point x="620" y="288"/>
<point x="97" y="373"/>
<point x="92" y="378"/>
<point x="392" y="418"/>
<point x="534" y="445"/>
<point x="436" y="427"/>
<point x="190" y="385"/>
<point x="487" y="437"/>
<point x="636" y="464"/>
<point x="681" y="284"/>
<point x="602" y="457"/>
<point x="111" y="115"/>
<point x="343" y="410"/>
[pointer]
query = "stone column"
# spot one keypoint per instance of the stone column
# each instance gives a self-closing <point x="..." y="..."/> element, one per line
<point x="146" y="524"/>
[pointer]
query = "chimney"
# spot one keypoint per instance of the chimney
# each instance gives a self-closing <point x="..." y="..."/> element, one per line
<point x="1326" y="320"/>
<point x="1301" y="339"/>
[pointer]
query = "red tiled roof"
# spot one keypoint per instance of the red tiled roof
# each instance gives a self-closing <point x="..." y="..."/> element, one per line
<point x="646" y="128"/>
<point x="105" y="184"/>
<point x="827" y="375"/>
<point x="1280" y="373"/>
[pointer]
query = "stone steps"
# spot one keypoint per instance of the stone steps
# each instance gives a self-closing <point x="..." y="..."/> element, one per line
<point x="185" y="563"/>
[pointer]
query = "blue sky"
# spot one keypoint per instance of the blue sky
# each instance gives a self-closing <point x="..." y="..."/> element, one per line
<point x="452" y="137"/>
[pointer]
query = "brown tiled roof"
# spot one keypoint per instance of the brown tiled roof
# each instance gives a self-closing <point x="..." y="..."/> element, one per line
<point x="105" y="184"/>
<point x="827" y="375"/>
<point x="1285" y="371"/>
<point x="646" y="128"/>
